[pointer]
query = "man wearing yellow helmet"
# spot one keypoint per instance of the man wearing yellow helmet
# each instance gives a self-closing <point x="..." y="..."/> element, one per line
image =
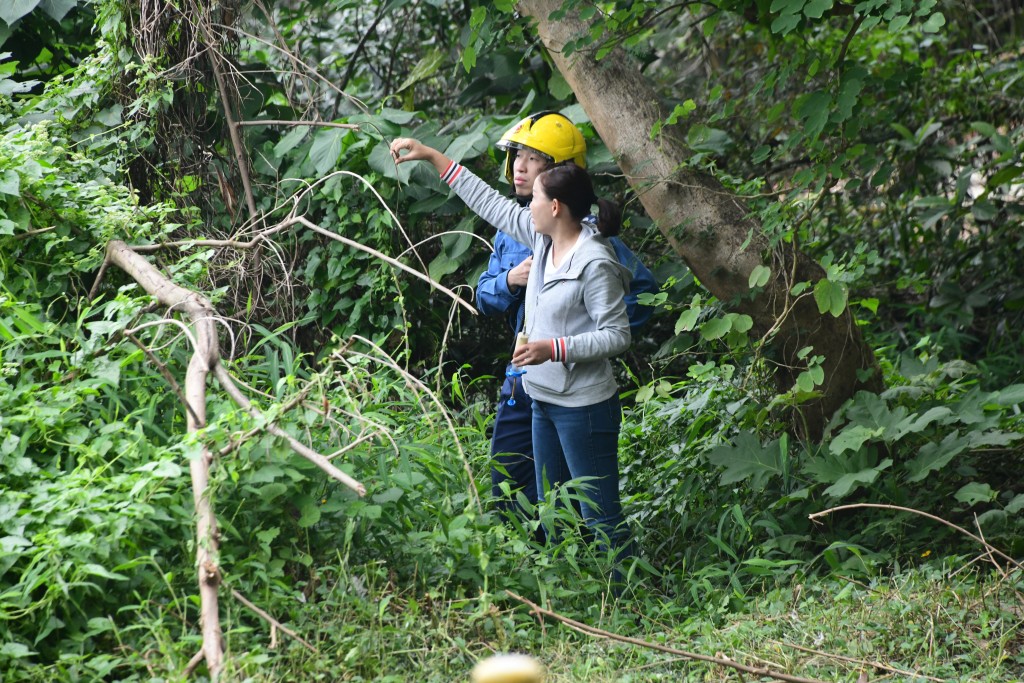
<point x="532" y="146"/>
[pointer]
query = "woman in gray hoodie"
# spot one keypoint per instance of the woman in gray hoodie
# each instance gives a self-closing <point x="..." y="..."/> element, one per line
<point x="575" y="319"/>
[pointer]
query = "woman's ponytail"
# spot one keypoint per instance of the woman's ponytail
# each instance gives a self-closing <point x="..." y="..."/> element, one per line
<point x="609" y="217"/>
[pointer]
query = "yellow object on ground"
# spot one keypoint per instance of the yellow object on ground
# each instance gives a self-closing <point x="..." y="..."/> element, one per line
<point x="508" y="669"/>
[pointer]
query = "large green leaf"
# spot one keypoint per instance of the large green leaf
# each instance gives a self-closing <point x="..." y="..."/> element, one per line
<point x="57" y="9"/>
<point x="854" y="480"/>
<point x="326" y="149"/>
<point x="12" y="10"/>
<point x="745" y="458"/>
<point x="936" y="455"/>
<point x="830" y="297"/>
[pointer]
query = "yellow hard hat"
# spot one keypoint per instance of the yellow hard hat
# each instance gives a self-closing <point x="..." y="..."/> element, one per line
<point x="550" y="133"/>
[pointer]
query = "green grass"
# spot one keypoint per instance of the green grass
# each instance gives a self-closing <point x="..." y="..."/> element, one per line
<point x="930" y="623"/>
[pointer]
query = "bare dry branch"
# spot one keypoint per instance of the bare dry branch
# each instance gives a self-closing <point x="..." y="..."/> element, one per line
<point x="608" y="635"/>
<point x="981" y="541"/>
<point x="272" y="621"/>
<point x="204" y="356"/>
<point x="862" y="662"/>
<point x="221" y="373"/>
<point x="282" y="122"/>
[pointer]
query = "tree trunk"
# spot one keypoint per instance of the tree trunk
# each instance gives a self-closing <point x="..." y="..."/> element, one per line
<point x="706" y="224"/>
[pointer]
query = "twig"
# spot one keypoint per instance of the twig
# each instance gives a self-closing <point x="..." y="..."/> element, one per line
<point x="277" y="122"/>
<point x="99" y="278"/>
<point x="221" y="373"/>
<point x="236" y="141"/>
<point x="814" y="518"/>
<point x="397" y="264"/>
<point x="274" y="622"/>
<point x="193" y="663"/>
<point x="988" y="550"/>
<point x="235" y="444"/>
<point x="601" y="633"/>
<point x="862" y="662"/>
<point x="166" y="373"/>
<point x="30" y="233"/>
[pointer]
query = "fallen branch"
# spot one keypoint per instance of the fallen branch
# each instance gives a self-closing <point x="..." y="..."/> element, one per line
<point x="274" y="622"/>
<point x="205" y="354"/>
<point x="608" y="635"/>
<point x="865" y="663"/>
<point x="221" y="373"/>
<point x="981" y="541"/>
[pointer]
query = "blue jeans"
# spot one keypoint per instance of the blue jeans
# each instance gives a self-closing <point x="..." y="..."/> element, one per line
<point x="512" y="446"/>
<point x="583" y="442"/>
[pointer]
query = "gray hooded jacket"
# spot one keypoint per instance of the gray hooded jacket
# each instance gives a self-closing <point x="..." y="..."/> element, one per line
<point x="580" y="308"/>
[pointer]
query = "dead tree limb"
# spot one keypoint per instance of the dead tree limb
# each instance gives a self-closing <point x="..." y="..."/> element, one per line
<point x="601" y="633"/>
<point x="204" y="360"/>
<point x="205" y="356"/>
<point x="271" y="620"/>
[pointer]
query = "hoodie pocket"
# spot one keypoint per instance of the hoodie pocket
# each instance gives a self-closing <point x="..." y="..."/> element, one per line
<point x="549" y="377"/>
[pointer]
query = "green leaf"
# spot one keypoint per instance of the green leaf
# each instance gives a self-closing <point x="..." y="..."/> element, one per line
<point x="309" y="509"/>
<point x="934" y="23"/>
<point x="1016" y="505"/>
<point x="899" y="23"/>
<point x="688" y="318"/>
<point x="830" y="297"/>
<point x="852" y="438"/>
<point x="849" y="93"/>
<point x="468" y="146"/>
<point x="815" y="9"/>
<point x="326" y="149"/>
<point x="558" y="87"/>
<point x="716" y="328"/>
<point x="703" y="138"/>
<point x="1005" y="175"/>
<point x="389" y="496"/>
<point x="759" y="276"/>
<point x="57" y="9"/>
<point x="1011" y="395"/>
<point x="10" y="183"/>
<point x="12" y="10"/>
<point x="784" y="23"/>
<point x="975" y="492"/>
<point x="97" y="570"/>
<point x="813" y="110"/>
<point x="428" y="65"/>
<point x="681" y="111"/>
<point x="288" y="142"/>
<point x="934" y="456"/>
<point x="469" y="58"/>
<point x="741" y="322"/>
<point x="745" y="458"/>
<point x="851" y="481"/>
<point x="15" y="650"/>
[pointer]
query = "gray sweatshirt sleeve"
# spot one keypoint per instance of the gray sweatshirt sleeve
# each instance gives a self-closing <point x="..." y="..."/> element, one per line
<point x="603" y="301"/>
<point x="503" y="213"/>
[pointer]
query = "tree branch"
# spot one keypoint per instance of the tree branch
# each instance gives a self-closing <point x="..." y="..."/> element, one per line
<point x="221" y="373"/>
<point x="981" y="541"/>
<point x="277" y="624"/>
<point x="608" y="635"/>
<point x="283" y="122"/>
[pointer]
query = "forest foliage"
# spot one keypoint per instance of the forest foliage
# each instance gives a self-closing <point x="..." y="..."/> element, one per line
<point x="883" y="138"/>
